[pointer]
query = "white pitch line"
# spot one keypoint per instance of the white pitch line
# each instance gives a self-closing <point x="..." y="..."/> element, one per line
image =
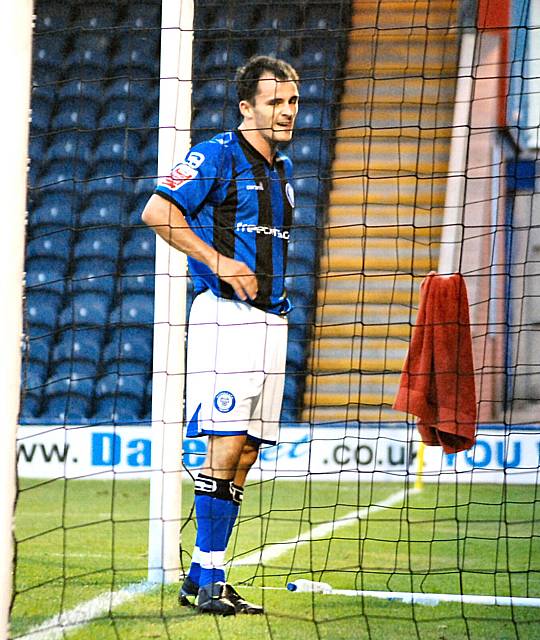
<point x="56" y="627"/>
<point x="271" y="552"/>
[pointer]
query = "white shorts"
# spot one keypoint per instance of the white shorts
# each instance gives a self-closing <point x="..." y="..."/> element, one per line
<point x="235" y="369"/>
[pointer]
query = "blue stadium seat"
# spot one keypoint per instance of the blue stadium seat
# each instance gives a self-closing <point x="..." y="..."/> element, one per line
<point x="141" y="283"/>
<point x="318" y="55"/>
<point x="49" y="49"/>
<point x="41" y="116"/>
<point x="141" y="244"/>
<point x="103" y="209"/>
<point x="136" y="55"/>
<point x="55" y="208"/>
<point x="34" y="373"/>
<point x="216" y="118"/>
<point x="43" y="270"/>
<point x="76" y="113"/>
<point x="129" y="350"/>
<point x="142" y="15"/>
<point x="66" y="145"/>
<point x="95" y="15"/>
<point x="96" y="243"/>
<point x="116" y="144"/>
<point x="220" y="63"/>
<point x="51" y="244"/>
<point x="216" y="91"/>
<point x="42" y="308"/>
<point x="313" y="117"/>
<point x="315" y="89"/>
<point x="309" y="149"/>
<point x="284" y="18"/>
<point x="85" y="309"/>
<point x="95" y="274"/>
<point x="122" y="112"/>
<point x="323" y="16"/>
<point x="83" y="344"/>
<point x="134" y="309"/>
<point x="51" y="16"/>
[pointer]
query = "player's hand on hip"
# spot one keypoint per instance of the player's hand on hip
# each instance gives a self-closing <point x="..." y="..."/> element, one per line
<point x="239" y="276"/>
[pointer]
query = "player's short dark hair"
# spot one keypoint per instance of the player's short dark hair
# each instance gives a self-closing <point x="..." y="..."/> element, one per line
<point x="247" y="77"/>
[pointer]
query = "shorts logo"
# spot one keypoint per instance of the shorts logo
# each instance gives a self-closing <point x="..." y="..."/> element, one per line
<point x="224" y="401"/>
<point x="181" y="174"/>
<point x="290" y="193"/>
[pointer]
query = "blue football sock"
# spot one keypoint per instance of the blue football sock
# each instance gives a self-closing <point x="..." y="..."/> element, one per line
<point x="215" y="513"/>
<point x="194" y="572"/>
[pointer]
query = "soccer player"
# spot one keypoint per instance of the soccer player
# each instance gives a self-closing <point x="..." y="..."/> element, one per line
<point x="228" y="205"/>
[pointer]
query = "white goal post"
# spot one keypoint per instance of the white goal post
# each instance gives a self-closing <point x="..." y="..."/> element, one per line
<point x="16" y="58"/>
<point x="170" y="303"/>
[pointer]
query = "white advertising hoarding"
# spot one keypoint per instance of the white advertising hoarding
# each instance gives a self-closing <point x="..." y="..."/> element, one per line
<point x="374" y="453"/>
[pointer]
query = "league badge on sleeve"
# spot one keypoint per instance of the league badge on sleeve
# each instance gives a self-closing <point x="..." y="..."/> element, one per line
<point x="181" y="174"/>
<point x="224" y="401"/>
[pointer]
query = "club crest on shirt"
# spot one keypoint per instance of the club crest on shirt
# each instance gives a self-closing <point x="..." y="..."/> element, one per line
<point x="290" y="193"/>
<point x="224" y="401"/>
<point x="181" y="174"/>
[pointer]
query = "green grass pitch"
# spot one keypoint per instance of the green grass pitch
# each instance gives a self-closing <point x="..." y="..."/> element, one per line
<point x="78" y="539"/>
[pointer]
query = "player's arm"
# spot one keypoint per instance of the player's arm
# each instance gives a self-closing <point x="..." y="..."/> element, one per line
<point x="168" y="221"/>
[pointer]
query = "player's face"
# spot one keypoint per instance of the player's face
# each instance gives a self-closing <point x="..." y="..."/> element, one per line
<point x="274" y="109"/>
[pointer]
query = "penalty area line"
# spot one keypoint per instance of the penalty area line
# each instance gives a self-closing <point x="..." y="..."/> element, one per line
<point x="56" y="627"/>
<point x="273" y="551"/>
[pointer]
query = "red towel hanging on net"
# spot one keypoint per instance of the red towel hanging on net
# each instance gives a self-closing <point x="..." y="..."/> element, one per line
<point x="437" y="382"/>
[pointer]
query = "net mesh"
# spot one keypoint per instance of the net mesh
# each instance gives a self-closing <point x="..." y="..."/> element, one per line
<point x="376" y="134"/>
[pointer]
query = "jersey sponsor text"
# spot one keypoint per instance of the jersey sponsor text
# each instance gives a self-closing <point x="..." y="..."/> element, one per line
<point x="267" y="231"/>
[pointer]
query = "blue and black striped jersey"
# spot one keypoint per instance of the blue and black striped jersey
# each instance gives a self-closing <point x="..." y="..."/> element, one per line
<point x="237" y="202"/>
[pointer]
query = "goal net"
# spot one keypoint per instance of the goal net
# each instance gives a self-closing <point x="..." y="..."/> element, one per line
<point x="415" y="151"/>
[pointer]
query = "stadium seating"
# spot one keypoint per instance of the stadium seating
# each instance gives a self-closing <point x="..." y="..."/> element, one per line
<point x="93" y="152"/>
